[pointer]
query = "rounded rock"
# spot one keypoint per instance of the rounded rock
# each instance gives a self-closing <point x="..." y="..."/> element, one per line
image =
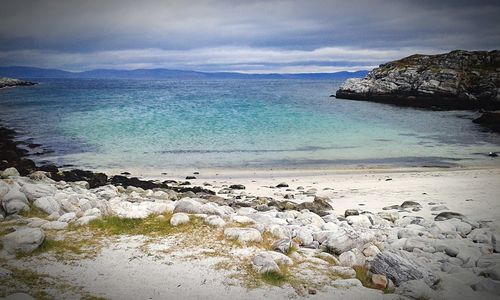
<point x="23" y="240"/>
<point x="243" y="235"/>
<point x="179" y="219"/>
<point x="215" y="221"/>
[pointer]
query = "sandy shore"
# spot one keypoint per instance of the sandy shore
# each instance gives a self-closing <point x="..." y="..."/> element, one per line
<point x="472" y="190"/>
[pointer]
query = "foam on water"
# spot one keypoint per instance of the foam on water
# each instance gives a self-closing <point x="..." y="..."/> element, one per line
<point x="233" y="123"/>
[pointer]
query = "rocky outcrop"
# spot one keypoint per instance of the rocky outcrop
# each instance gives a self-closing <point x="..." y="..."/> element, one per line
<point x="455" y="80"/>
<point x="11" y="82"/>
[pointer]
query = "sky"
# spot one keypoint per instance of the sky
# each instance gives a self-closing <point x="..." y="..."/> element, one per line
<point x="252" y="36"/>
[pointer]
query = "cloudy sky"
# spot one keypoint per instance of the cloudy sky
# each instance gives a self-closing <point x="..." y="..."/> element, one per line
<point x="255" y="36"/>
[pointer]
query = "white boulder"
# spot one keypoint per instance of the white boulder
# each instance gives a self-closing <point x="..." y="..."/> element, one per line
<point x="67" y="217"/>
<point x="14" y="201"/>
<point x="23" y="240"/>
<point x="179" y="219"/>
<point x="243" y="235"/>
<point x="10" y="172"/>
<point x="47" y="204"/>
<point x="55" y="225"/>
<point x="215" y="221"/>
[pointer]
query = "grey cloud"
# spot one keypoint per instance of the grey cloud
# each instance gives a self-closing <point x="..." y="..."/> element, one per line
<point x="37" y="31"/>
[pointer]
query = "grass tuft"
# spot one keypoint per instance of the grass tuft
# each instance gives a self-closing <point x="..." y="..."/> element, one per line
<point x="63" y="247"/>
<point x="34" y="212"/>
<point x="60" y="246"/>
<point x="151" y="226"/>
<point x="274" y="278"/>
<point x="363" y="276"/>
<point x="114" y="225"/>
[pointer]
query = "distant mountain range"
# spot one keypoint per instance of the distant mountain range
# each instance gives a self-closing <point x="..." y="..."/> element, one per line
<point x="31" y="72"/>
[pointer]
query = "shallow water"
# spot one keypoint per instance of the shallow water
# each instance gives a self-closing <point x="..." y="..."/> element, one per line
<point x="167" y="124"/>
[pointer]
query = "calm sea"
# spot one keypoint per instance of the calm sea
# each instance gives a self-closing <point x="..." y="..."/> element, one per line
<point x="168" y="124"/>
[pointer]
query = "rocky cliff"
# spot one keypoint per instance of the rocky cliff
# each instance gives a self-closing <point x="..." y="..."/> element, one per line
<point x="10" y="82"/>
<point x="454" y="80"/>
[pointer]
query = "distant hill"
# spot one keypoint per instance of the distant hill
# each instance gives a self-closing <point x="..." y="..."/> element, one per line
<point x="31" y="72"/>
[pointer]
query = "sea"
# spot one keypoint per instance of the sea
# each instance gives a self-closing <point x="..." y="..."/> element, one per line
<point x="233" y="123"/>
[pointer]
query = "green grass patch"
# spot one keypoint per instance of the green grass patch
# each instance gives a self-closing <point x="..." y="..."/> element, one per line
<point x="274" y="278"/>
<point x="251" y="279"/>
<point x="59" y="247"/>
<point x="292" y="249"/>
<point x="119" y="226"/>
<point x="150" y="226"/>
<point x="34" y="212"/>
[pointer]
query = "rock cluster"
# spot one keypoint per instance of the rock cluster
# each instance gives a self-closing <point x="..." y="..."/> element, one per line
<point x="454" y="80"/>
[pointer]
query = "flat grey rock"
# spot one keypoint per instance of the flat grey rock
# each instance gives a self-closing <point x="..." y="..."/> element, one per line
<point x="399" y="268"/>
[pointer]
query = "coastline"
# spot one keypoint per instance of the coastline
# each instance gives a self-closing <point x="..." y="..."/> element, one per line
<point x="261" y="182"/>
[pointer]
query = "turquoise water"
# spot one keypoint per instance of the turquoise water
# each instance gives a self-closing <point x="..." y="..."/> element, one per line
<point x="233" y="124"/>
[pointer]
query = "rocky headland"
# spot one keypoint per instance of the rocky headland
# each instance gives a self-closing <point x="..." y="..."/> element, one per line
<point x="455" y="80"/>
<point x="11" y="82"/>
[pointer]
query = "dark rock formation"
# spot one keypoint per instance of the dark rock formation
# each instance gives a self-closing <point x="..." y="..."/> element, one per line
<point x="399" y="268"/>
<point x="194" y="189"/>
<point x="11" y="155"/>
<point x="490" y="120"/>
<point x="94" y="179"/>
<point x="455" y="80"/>
<point x="319" y="206"/>
<point x="237" y="187"/>
<point x="136" y="182"/>
<point x="10" y="82"/>
<point x="446" y="215"/>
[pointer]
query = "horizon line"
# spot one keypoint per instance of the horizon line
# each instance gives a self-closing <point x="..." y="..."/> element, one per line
<point x="188" y="70"/>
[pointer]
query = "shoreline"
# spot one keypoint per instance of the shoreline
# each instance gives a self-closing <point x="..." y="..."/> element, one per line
<point x="217" y="173"/>
<point x="26" y="163"/>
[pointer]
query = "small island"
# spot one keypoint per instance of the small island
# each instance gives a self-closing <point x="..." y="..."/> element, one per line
<point x="455" y="80"/>
<point x="11" y="82"/>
